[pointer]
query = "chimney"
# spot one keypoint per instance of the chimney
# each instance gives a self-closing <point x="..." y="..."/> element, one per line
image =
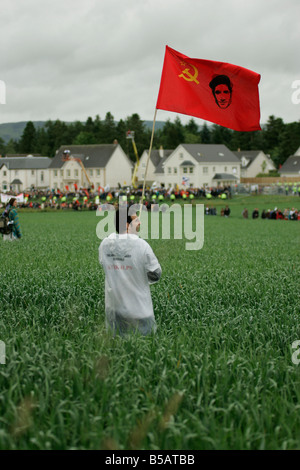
<point x="161" y="151"/>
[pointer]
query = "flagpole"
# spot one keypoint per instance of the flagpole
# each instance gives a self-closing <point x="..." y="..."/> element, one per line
<point x="149" y="153"/>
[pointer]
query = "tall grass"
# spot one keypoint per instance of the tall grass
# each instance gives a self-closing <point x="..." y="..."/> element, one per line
<point x="217" y="375"/>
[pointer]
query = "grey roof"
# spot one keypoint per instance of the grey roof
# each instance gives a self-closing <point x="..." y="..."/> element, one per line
<point x="92" y="156"/>
<point x="291" y="165"/>
<point x="224" y="177"/>
<point x="155" y="156"/>
<point x="26" y="163"/>
<point x="160" y="166"/>
<point x="249" y="154"/>
<point x="187" y="163"/>
<point x="211" y="153"/>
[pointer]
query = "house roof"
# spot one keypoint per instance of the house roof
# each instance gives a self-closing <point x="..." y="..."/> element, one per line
<point x="92" y="156"/>
<point x="26" y="163"/>
<point x="155" y="155"/>
<point x="224" y="177"/>
<point x="204" y="153"/>
<point x="160" y="166"/>
<point x="291" y="165"/>
<point x="211" y="153"/>
<point x="250" y="155"/>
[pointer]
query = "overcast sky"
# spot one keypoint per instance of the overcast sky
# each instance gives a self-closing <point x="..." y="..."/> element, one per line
<point x="70" y="59"/>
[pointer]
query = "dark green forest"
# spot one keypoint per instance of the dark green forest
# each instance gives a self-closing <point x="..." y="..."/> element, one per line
<point x="278" y="139"/>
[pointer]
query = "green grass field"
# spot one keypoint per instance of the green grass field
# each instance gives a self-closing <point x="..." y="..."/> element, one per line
<point x="217" y="375"/>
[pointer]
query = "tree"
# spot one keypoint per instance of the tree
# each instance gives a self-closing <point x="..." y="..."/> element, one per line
<point x="11" y="147"/>
<point x="221" y="135"/>
<point x="84" y="138"/>
<point x="2" y="147"/>
<point x="172" y="134"/>
<point x="272" y="131"/>
<point x="205" y="134"/>
<point x="141" y="135"/>
<point x="28" y="139"/>
<point x="109" y="129"/>
<point x="191" y="133"/>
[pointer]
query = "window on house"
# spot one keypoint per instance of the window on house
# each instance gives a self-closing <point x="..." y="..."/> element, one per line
<point x="181" y="156"/>
<point x="169" y="169"/>
<point x="75" y="172"/>
<point x="4" y="173"/>
<point x="225" y="168"/>
<point x="175" y="170"/>
<point x="55" y="172"/>
<point x="91" y="172"/>
<point x="42" y="176"/>
<point x="214" y="168"/>
<point x="98" y="172"/>
<point x="234" y="169"/>
<point x="205" y="169"/>
<point x="185" y="169"/>
<point x="68" y="172"/>
<point x="61" y="172"/>
<point x="16" y="172"/>
<point x="191" y="169"/>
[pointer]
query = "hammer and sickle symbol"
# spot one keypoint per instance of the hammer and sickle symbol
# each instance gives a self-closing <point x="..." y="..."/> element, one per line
<point x="188" y="76"/>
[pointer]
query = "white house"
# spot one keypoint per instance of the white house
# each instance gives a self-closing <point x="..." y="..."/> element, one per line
<point x="199" y="165"/>
<point x="21" y="172"/>
<point x="254" y="162"/>
<point x="156" y="157"/>
<point x="90" y="165"/>
<point x="291" y="166"/>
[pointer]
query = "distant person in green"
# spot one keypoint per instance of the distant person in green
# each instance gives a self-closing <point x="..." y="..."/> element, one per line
<point x="13" y="217"/>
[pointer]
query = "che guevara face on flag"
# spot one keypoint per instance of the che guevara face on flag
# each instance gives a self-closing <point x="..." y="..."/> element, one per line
<point x="219" y="92"/>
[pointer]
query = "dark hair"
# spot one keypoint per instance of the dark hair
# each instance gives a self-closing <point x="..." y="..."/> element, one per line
<point x="120" y="222"/>
<point x="220" y="80"/>
<point x="11" y="201"/>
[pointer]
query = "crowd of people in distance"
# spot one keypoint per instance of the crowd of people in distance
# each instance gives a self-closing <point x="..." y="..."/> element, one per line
<point x="224" y="212"/>
<point x="275" y="214"/>
<point x="89" y="199"/>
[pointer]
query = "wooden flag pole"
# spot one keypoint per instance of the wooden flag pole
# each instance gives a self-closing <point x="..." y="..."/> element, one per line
<point x="150" y="148"/>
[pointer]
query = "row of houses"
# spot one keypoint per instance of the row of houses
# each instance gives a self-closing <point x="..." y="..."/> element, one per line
<point x="189" y="165"/>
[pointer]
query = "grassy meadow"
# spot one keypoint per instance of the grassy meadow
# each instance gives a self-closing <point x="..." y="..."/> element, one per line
<point x="217" y="375"/>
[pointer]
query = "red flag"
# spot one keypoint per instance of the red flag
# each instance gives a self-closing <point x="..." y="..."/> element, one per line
<point x="75" y="186"/>
<point x="215" y="91"/>
<point x="67" y="188"/>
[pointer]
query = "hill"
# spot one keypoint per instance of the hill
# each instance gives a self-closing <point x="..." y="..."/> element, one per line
<point x="14" y="130"/>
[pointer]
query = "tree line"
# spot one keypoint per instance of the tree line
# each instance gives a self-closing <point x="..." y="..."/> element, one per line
<point x="276" y="138"/>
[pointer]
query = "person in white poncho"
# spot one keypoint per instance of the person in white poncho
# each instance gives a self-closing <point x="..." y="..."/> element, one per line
<point x="130" y="266"/>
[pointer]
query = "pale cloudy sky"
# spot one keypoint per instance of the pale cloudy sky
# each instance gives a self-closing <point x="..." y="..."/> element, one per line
<point x="70" y="59"/>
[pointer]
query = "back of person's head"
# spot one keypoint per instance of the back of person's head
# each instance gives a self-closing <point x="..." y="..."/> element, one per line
<point x="122" y="218"/>
<point x="11" y="201"/>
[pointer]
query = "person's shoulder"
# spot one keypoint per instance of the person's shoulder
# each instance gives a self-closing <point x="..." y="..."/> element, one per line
<point x="106" y="240"/>
<point x="143" y="245"/>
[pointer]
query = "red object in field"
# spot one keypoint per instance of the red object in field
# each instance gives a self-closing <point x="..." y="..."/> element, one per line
<point x="219" y="92"/>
